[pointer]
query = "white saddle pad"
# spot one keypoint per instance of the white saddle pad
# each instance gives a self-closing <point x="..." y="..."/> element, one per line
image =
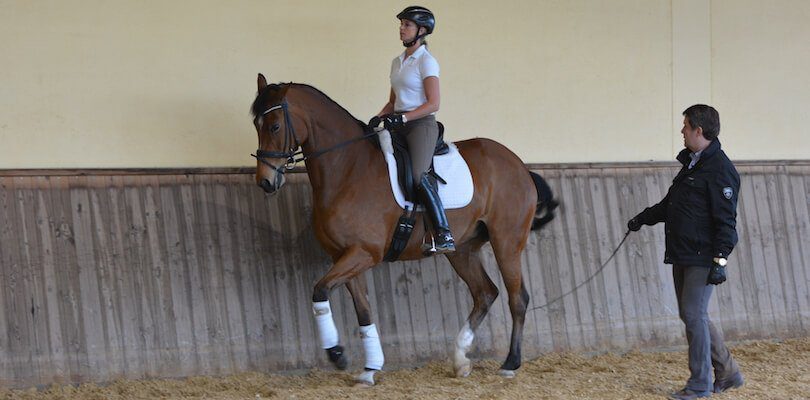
<point x="458" y="191"/>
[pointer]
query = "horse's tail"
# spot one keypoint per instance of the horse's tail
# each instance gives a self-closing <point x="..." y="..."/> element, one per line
<point x="545" y="202"/>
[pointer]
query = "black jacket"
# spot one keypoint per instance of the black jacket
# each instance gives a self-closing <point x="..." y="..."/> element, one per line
<point x="699" y="210"/>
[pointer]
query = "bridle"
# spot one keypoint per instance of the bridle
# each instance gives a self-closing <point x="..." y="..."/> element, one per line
<point x="290" y="142"/>
<point x="292" y="145"/>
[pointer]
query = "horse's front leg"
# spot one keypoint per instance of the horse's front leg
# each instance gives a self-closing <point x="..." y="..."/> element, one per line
<point x="351" y="264"/>
<point x="368" y="331"/>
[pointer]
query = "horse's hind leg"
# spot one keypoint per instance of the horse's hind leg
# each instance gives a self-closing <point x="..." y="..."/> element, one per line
<point x="507" y="253"/>
<point x="368" y="331"/>
<point x="467" y="263"/>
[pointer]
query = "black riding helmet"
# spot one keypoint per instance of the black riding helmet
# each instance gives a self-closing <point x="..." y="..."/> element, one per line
<point x="422" y="17"/>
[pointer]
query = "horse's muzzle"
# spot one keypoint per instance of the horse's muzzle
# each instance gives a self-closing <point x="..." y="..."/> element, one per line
<point x="272" y="186"/>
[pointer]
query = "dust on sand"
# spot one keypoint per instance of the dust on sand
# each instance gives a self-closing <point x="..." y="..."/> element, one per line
<point x="773" y="370"/>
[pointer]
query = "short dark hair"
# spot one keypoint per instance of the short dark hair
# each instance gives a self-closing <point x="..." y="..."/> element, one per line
<point x="706" y="117"/>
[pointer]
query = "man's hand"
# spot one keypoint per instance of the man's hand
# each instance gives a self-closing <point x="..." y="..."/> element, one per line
<point x="393" y="122"/>
<point x="375" y="121"/>
<point x="634" y="224"/>
<point x="717" y="274"/>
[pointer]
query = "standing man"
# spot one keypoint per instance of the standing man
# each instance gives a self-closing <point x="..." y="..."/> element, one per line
<point x="699" y="213"/>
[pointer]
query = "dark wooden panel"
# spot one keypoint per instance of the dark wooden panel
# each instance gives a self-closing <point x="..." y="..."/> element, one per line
<point x="148" y="273"/>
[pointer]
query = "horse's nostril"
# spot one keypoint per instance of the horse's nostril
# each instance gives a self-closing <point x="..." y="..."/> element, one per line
<point x="267" y="186"/>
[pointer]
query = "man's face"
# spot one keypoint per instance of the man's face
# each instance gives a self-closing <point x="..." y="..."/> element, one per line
<point x="691" y="136"/>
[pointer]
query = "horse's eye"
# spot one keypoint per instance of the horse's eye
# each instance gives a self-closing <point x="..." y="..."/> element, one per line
<point x="274" y="128"/>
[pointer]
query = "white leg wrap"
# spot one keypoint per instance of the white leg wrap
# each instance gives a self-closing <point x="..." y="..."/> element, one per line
<point x="327" y="331"/>
<point x="372" y="347"/>
<point x="463" y="342"/>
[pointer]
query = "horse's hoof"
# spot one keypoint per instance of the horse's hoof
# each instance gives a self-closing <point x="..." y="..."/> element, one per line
<point x="365" y="378"/>
<point x="362" y="385"/>
<point x="337" y="357"/>
<point x="464" y="370"/>
<point x="507" y="373"/>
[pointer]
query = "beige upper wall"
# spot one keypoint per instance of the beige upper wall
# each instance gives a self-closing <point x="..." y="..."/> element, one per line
<point x="168" y="84"/>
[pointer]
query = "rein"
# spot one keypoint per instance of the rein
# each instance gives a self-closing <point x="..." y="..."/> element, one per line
<point x="292" y="144"/>
<point x="598" y="271"/>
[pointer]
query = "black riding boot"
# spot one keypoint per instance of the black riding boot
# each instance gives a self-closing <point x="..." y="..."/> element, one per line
<point x="429" y="194"/>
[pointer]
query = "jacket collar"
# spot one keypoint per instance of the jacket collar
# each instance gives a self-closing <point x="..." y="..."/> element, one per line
<point x="708" y="153"/>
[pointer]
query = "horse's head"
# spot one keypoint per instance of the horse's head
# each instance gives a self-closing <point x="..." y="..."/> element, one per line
<point x="278" y="139"/>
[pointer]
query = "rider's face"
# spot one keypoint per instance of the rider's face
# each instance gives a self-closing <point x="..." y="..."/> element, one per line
<point x="407" y="30"/>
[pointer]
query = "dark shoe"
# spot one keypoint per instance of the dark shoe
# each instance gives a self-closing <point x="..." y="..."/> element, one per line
<point x="689" y="394"/>
<point x="445" y="242"/>
<point x="441" y="243"/>
<point x="429" y="194"/>
<point x="733" y="382"/>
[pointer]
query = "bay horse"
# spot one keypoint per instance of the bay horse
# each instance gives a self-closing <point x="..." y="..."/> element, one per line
<point x="354" y="214"/>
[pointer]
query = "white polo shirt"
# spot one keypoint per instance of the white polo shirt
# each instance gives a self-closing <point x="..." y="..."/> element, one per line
<point x="407" y="76"/>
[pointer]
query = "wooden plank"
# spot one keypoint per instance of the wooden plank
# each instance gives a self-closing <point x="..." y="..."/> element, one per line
<point x="628" y="206"/>
<point x="581" y="249"/>
<point x="748" y="269"/>
<point x="417" y="308"/>
<point x="143" y="304"/>
<point x="272" y="339"/>
<point x="124" y="268"/>
<point x="768" y="251"/>
<point x="248" y="276"/>
<point x="753" y="203"/>
<point x="25" y="199"/>
<point x="178" y="287"/>
<point x="210" y="276"/>
<point x="59" y="359"/>
<point x="564" y="278"/>
<point x="404" y="326"/>
<point x="605" y="307"/>
<point x="15" y="293"/>
<point x="782" y="252"/>
<point x="235" y="326"/>
<point x="159" y="278"/>
<point x="430" y="288"/>
<point x="66" y="267"/>
<point x="101" y="216"/>
<point x="609" y="230"/>
<point x="797" y="189"/>
<point x="93" y="324"/>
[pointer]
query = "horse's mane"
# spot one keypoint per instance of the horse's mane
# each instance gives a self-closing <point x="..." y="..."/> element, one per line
<point x="265" y="95"/>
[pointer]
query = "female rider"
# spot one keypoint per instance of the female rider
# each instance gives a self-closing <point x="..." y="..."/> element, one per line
<point x="412" y="103"/>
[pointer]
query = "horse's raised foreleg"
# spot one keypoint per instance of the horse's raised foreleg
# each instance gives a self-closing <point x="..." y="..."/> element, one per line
<point x="467" y="263"/>
<point x="368" y="331"/>
<point x="352" y="263"/>
<point x="507" y="253"/>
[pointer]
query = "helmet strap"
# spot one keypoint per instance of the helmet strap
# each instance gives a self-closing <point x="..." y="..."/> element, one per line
<point x="415" y="39"/>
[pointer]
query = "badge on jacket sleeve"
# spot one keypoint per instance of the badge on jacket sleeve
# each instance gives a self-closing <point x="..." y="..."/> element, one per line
<point x="727" y="192"/>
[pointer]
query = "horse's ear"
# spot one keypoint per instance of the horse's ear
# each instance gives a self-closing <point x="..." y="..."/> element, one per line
<point x="261" y="82"/>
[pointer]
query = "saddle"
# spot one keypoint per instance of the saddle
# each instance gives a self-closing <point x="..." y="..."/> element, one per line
<point x="403" y="159"/>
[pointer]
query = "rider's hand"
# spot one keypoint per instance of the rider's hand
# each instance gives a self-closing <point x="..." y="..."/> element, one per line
<point x="634" y="224"/>
<point x="375" y="121"/>
<point x="717" y="274"/>
<point x="393" y="122"/>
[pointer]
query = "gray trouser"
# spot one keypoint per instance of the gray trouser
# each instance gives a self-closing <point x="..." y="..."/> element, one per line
<point x="706" y="346"/>
<point x="421" y="135"/>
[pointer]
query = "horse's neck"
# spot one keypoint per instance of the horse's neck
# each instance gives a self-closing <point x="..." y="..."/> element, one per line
<point x="331" y="172"/>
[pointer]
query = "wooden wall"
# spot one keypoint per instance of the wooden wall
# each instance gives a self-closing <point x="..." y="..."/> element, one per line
<point x="108" y="274"/>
